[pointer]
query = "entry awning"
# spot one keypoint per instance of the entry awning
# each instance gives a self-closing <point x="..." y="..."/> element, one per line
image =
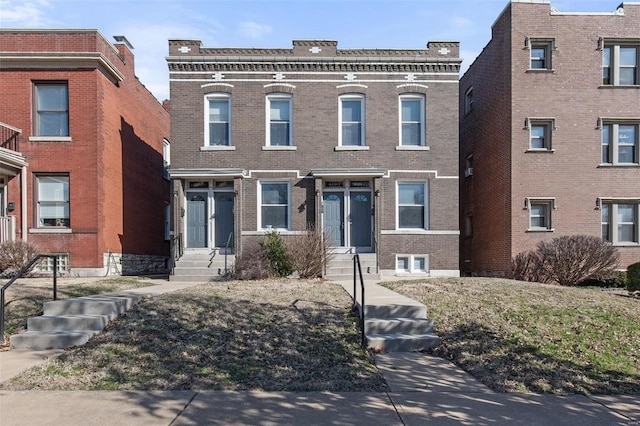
<point x="348" y="173"/>
<point x="11" y="162"/>
<point x="207" y="173"/>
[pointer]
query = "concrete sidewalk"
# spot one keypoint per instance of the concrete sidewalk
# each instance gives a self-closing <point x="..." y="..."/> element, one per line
<point x="422" y="389"/>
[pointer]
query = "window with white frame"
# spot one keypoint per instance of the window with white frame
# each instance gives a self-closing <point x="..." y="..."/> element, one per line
<point x="52" y="201"/>
<point x="412" y="120"/>
<point x="540" y="211"/>
<point x="412" y="205"/>
<point x="620" y="221"/>
<point x="540" y="54"/>
<point x="52" y="109"/>
<point x="218" y="120"/>
<point x="46" y="263"/>
<point x="274" y="205"/>
<point x="620" y="143"/>
<point x="351" y="120"/>
<point x="412" y="263"/>
<point x="166" y="157"/>
<point x="540" y="131"/>
<point x="468" y="100"/>
<point x="620" y="64"/>
<point x="279" y="107"/>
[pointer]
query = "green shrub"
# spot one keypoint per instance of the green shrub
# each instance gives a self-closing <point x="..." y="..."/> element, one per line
<point x="617" y="279"/>
<point x="633" y="277"/>
<point x="15" y="255"/>
<point x="276" y="254"/>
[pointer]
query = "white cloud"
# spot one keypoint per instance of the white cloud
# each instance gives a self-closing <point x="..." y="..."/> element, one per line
<point x="253" y="30"/>
<point x="21" y="14"/>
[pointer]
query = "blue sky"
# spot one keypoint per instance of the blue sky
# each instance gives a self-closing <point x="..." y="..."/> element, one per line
<point x="149" y="24"/>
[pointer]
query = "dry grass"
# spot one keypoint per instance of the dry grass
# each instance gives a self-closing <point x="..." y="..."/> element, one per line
<point x="529" y="337"/>
<point x="25" y="297"/>
<point x="284" y="335"/>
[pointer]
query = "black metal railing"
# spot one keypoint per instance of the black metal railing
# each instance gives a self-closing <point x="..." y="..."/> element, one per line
<point x="226" y="253"/>
<point x="9" y="137"/>
<point x="20" y="273"/>
<point x="358" y="269"/>
<point x="177" y="248"/>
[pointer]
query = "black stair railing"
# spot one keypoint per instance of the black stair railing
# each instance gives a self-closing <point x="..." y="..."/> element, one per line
<point x="20" y="273"/>
<point x="357" y="269"/>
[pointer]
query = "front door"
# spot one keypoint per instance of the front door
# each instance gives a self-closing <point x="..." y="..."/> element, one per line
<point x="223" y="219"/>
<point x="360" y="219"/>
<point x="333" y="218"/>
<point x="197" y="220"/>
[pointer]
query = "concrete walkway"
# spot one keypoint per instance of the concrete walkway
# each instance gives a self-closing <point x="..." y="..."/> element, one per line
<point x="422" y="389"/>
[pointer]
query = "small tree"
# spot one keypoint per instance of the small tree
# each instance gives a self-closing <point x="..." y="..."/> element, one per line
<point x="633" y="277"/>
<point x="308" y="253"/>
<point x="567" y="260"/>
<point x="276" y="254"/>
<point x="15" y="255"/>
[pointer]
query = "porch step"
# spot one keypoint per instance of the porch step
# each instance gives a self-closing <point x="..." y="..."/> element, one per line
<point x="415" y="326"/>
<point x="201" y="266"/>
<point x="340" y="267"/>
<point x="72" y="322"/>
<point x="402" y="342"/>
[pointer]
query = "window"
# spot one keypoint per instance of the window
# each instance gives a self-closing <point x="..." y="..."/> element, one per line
<point x="351" y="120"/>
<point x="468" y="100"/>
<point x="52" y="109"/>
<point x="279" y="125"/>
<point x="540" y="130"/>
<point x="620" y="222"/>
<point x="620" y="143"/>
<point x="412" y="206"/>
<point x="46" y="263"/>
<point x="620" y="65"/>
<point x="274" y="205"/>
<point x="218" y="129"/>
<point x="540" y="55"/>
<point x="53" y="201"/>
<point x="166" y="158"/>
<point x="411" y="263"/>
<point x="540" y="213"/>
<point x="412" y="128"/>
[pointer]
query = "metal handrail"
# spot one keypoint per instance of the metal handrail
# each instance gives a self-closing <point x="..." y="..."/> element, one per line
<point x="226" y="252"/>
<point x="20" y="274"/>
<point x="356" y="266"/>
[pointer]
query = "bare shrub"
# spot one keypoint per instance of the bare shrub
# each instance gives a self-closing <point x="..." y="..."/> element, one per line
<point x="251" y="264"/>
<point x="15" y="255"/>
<point x="567" y="260"/>
<point x="308" y="253"/>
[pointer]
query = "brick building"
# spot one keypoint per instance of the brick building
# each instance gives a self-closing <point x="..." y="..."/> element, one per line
<point x="81" y="164"/>
<point x="360" y="142"/>
<point x="550" y="116"/>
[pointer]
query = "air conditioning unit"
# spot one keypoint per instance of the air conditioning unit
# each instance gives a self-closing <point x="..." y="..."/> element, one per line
<point x="468" y="172"/>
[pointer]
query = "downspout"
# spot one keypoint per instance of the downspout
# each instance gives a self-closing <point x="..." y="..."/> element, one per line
<point x="23" y="207"/>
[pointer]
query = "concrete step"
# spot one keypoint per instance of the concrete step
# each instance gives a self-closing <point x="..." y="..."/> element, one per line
<point x="67" y="323"/>
<point x="195" y="278"/>
<point x="402" y="342"/>
<point x="392" y="310"/>
<point x="41" y="340"/>
<point x="344" y="270"/>
<point x="110" y="305"/>
<point x="414" y="326"/>
<point x="349" y="277"/>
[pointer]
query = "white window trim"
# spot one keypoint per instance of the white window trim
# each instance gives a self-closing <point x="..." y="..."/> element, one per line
<point x="259" y="204"/>
<point x="423" y="120"/>
<point x="278" y="97"/>
<point x="36" y="125"/>
<point x="206" y="146"/>
<point x="549" y="46"/>
<point x="38" y="201"/>
<point x="426" y="205"/>
<point x="166" y="158"/>
<point x="614" y="140"/>
<point x="549" y="124"/>
<point x="411" y="260"/>
<point x="613" y="219"/>
<point x="550" y="203"/>
<point x="614" y="66"/>
<point x="352" y="97"/>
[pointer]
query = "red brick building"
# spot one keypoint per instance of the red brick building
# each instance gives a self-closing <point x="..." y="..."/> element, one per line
<point x="549" y="128"/>
<point x="362" y="143"/>
<point x="81" y="165"/>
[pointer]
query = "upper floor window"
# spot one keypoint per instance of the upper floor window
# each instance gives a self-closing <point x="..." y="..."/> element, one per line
<point x="274" y="205"/>
<point x="412" y="120"/>
<point x="620" y="143"/>
<point x="468" y="100"/>
<point x="52" y="208"/>
<point x="540" y="53"/>
<point x="279" y="120"/>
<point x="52" y="109"/>
<point x="540" y="130"/>
<point x="412" y="205"/>
<point x="166" y="157"/>
<point x="218" y="120"/>
<point x="352" y="120"/>
<point x="620" y="65"/>
<point x="620" y="222"/>
<point x="540" y="211"/>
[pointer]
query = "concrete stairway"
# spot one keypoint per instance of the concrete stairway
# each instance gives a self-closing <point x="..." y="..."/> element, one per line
<point x="72" y="322"/>
<point x="201" y="266"/>
<point x="340" y="267"/>
<point x="393" y="322"/>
